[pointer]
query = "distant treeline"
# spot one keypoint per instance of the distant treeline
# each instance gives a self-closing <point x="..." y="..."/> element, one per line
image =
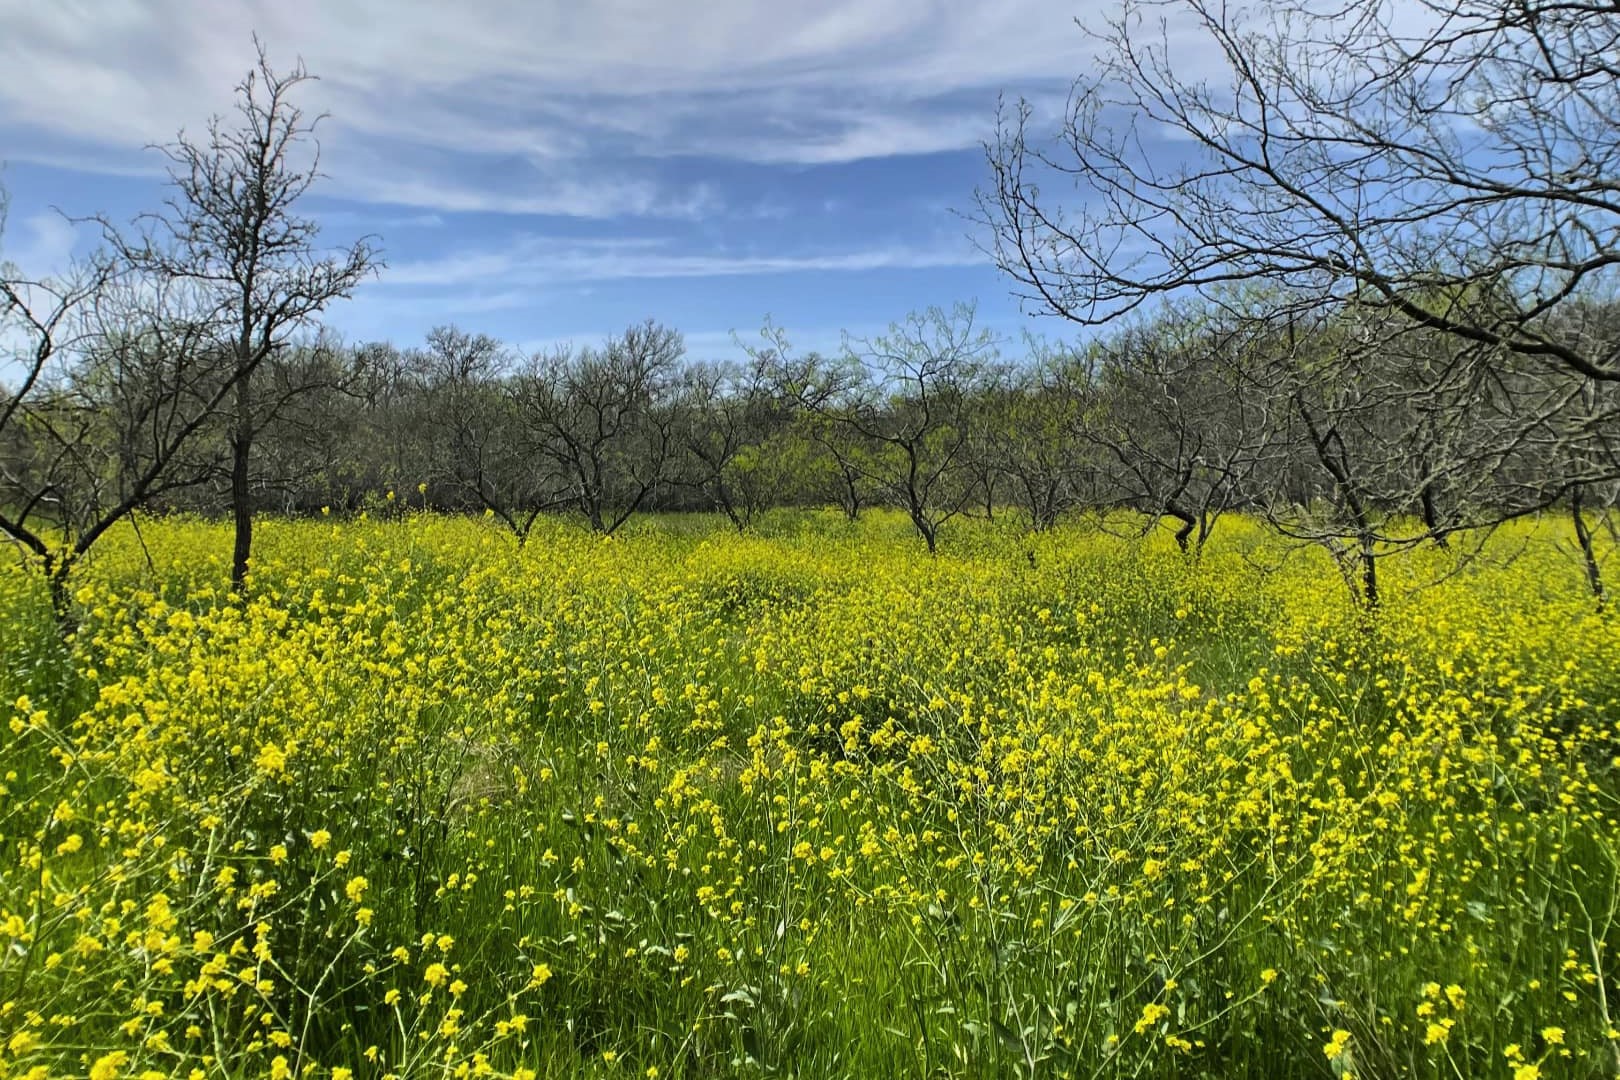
<point x="1351" y="432"/>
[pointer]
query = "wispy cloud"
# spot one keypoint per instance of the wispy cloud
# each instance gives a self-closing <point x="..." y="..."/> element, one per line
<point x="514" y="153"/>
<point x="547" y="260"/>
<point x="441" y="94"/>
<point x="548" y="196"/>
<point x="380" y="219"/>
<point x="804" y="81"/>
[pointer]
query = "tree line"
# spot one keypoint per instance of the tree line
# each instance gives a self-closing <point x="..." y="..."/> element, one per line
<point x="1373" y="308"/>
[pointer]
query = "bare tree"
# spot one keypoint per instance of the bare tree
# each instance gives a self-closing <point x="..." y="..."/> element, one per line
<point x="1029" y="418"/>
<point x="1398" y="152"/>
<point x="1422" y="192"/>
<point x="1385" y="436"/>
<point x="848" y="458"/>
<point x="123" y="382"/>
<point x="231" y="228"/>
<point x="910" y="396"/>
<point x="471" y="421"/>
<point x="604" y="420"/>
<point x="1570" y="450"/>
<point x="807" y="384"/>
<point x="727" y="413"/>
<point x="41" y="318"/>
<point x="41" y="322"/>
<point x="301" y="428"/>
<point x="1173" y="411"/>
<point x="387" y="421"/>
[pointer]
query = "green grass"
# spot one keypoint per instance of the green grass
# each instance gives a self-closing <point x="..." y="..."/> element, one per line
<point x="806" y="803"/>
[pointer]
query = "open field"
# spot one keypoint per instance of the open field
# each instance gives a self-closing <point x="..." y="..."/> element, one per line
<point x="684" y="803"/>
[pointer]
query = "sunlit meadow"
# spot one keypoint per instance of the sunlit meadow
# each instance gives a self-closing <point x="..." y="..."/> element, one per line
<point x="808" y="803"/>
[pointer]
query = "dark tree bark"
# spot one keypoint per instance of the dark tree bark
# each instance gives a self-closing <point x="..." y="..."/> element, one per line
<point x="1583" y="536"/>
<point x="232" y="230"/>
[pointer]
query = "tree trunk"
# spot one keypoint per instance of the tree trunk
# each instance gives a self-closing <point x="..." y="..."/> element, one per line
<point x="1369" y="574"/>
<point x="925" y="527"/>
<point x="852" y="499"/>
<point x="1338" y="469"/>
<point x="241" y="495"/>
<point x="723" y="498"/>
<point x="1583" y="535"/>
<point x="1431" y="519"/>
<point x="56" y="577"/>
<point x="1206" y="525"/>
<point x="1188" y="524"/>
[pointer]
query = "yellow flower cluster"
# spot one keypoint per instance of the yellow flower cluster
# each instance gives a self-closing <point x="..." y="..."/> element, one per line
<point x="428" y="803"/>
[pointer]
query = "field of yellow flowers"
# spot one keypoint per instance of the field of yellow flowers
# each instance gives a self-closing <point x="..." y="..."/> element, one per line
<point x="812" y="803"/>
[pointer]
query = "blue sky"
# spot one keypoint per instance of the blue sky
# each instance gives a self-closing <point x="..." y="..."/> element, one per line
<point x="543" y="171"/>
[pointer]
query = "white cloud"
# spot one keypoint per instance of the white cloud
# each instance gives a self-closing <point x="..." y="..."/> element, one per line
<point x="853" y="135"/>
<point x="607" y="197"/>
<point x="374" y="220"/>
<point x="800" y="80"/>
<point x="550" y="260"/>
<point x="424" y="94"/>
